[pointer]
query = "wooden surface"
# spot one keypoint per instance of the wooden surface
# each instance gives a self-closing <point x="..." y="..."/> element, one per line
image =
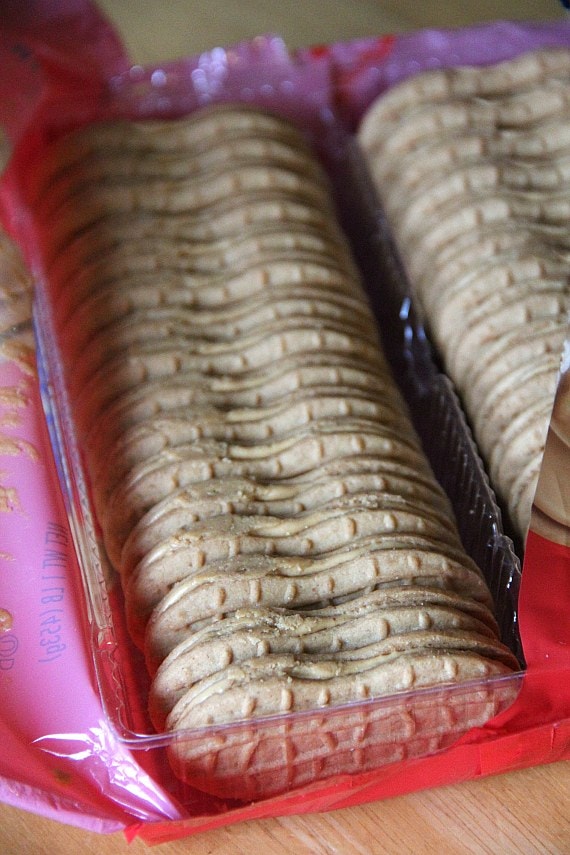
<point x="524" y="812"/>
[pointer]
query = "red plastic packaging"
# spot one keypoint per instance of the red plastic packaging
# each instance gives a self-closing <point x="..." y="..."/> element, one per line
<point x="75" y="764"/>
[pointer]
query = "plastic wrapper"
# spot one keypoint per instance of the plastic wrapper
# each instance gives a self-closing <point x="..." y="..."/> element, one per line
<point x="95" y="761"/>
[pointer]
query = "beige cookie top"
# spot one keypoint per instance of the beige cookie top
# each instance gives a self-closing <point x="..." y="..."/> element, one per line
<point x="230" y="699"/>
<point x="258" y="633"/>
<point x="298" y="583"/>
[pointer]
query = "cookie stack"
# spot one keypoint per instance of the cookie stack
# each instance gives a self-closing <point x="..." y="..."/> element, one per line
<point x="472" y="166"/>
<point x="281" y="540"/>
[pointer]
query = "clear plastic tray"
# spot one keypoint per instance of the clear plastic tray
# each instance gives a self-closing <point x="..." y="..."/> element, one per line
<point x="245" y="761"/>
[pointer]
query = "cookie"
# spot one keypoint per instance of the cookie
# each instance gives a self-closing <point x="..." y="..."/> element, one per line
<point x="297" y="583"/>
<point x="310" y="534"/>
<point x="246" y="635"/>
<point x="184" y="507"/>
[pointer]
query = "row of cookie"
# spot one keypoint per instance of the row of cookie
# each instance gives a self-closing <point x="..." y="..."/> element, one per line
<point x="203" y="195"/>
<point x="475" y="180"/>
<point x="247" y="446"/>
<point x="139" y="326"/>
<point x="342" y="631"/>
